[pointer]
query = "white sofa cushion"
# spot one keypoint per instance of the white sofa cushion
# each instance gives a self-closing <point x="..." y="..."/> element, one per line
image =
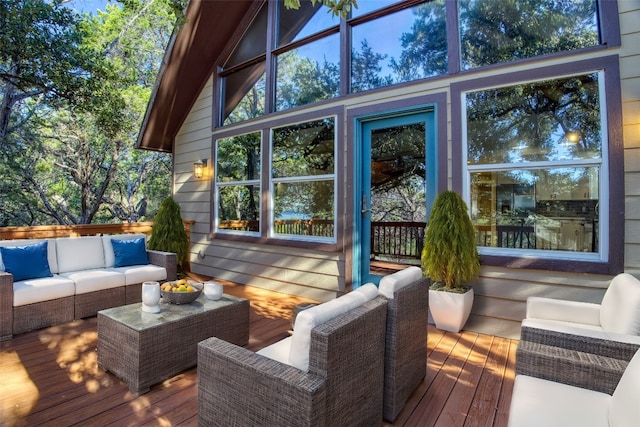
<point x="95" y="280"/>
<point x="44" y="289"/>
<point x="620" y="308"/>
<point x="80" y="253"/>
<point x="135" y="274"/>
<point x="624" y="410"/>
<point x="51" y="251"/>
<point x="109" y="257"/>
<point x="393" y="282"/>
<point x="563" y="311"/>
<point x="278" y="351"/>
<point x="308" y="319"/>
<point x="536" y="402"/>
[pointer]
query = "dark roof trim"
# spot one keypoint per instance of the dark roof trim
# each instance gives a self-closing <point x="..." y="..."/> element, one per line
<point x="189" y="60"/>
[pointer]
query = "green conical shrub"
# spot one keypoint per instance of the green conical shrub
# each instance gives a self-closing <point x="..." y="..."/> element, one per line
<point x="168" y="232"/>
<point x="450" y="255"/>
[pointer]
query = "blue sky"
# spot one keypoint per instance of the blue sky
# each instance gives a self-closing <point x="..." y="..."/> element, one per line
<point x="88" y="6"/>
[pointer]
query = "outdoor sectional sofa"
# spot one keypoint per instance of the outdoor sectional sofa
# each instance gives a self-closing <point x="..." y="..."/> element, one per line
<point x="69" y="278"/>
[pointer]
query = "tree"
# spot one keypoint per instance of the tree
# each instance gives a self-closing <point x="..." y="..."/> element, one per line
<point x="43" y="62"/>
<point x="168" y="233"/>
<point x="71" y="160"/>
<point x="337" y="7"/>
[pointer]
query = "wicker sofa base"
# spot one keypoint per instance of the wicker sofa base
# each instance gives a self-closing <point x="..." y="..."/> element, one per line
<point x="88" y="305"/>
<point x="133" y="293"/>
<point x="572" y="367"/>
<point x="42" y="314"/>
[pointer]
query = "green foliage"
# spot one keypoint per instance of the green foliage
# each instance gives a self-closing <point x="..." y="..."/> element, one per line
<point x="450" y="255"/>
<point x="337" y="7"/>
<point x="73" y="91"/>
<point x="168" y="233"/>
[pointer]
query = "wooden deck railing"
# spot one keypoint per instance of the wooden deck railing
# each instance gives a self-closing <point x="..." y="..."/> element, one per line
<point x="397" y="239"/>
<point x="52" y="231"/>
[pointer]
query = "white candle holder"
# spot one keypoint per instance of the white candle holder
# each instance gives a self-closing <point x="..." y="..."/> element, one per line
<point x="151" y="297"/>
<point x="213" y="290"/>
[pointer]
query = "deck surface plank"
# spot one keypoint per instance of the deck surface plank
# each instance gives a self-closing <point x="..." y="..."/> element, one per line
<point x="51" y="377"/>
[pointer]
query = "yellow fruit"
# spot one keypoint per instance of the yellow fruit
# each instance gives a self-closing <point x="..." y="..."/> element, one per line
<point x="182" y="282"/>
<point x="190" y="288"/>
<point x="182" y="288"/>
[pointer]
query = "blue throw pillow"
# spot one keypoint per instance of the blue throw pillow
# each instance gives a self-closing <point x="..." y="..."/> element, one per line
<point x="129" y="252"/>
<point x="26" y="262"/>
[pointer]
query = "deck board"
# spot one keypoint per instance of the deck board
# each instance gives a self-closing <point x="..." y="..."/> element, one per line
<point x="51" y="377"/>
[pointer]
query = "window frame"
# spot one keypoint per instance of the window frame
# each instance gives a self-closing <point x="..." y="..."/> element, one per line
<point x="611" y="184"/>
<point x="304" y="179"/>
<point x="336" y="244"/>
<point x="217" y="185"/>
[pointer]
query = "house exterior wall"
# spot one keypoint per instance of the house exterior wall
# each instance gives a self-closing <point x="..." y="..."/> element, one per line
<point x="630" y="86"/>
<point x="321" y="274"/>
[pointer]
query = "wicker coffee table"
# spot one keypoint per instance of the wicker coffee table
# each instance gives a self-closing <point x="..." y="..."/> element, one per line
<point x="143" y="349"/>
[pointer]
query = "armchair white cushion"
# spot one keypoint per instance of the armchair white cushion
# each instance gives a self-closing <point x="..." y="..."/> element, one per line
<point x="391" y="283"/>
<point x="618" y="313"/>
<point x="537" y="402"/>
<point x="294" y="350"/>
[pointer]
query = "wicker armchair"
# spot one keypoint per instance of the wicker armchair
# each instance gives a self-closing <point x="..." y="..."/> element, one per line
<point x="540" y="402"/>
<point x="406" y="342"/>
<point x="343" y="387"/>
<point x="582" y="344"/>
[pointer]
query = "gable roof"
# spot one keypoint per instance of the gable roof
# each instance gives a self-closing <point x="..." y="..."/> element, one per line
<point x="189" y="60"/>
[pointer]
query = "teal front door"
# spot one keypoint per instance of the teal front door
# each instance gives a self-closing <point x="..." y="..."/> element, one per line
<point x="396" y="174"/>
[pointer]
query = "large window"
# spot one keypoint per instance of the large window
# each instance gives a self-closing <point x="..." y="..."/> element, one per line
<point x="535" y="164"/>
<point x="498" y="32"/>
<point x="389" y="42"/>
<point x="238" y="184"/>
<point x="303" y="180"/>
<point x="406" y="45"/>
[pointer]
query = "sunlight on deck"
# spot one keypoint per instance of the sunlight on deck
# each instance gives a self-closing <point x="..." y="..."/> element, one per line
<point x="19" y="393"/>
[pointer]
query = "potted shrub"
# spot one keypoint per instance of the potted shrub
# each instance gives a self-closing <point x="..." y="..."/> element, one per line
<point x="168" y="232"/>
<point x="450" y="259"/>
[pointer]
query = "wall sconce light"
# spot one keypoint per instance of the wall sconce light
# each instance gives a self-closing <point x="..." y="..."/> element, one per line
<point x="199" y="168"/>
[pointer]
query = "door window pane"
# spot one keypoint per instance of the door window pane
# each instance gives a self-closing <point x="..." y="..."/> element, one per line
<point x="497" y="32"/>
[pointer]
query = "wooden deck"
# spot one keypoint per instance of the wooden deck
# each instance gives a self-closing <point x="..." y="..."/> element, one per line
<point x="50" y="377"/>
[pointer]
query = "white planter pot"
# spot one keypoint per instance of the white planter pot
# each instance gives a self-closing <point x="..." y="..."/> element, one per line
<point x="450" y="310"/>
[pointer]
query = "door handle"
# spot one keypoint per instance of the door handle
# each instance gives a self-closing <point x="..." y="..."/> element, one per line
<point x="364" y="209"/>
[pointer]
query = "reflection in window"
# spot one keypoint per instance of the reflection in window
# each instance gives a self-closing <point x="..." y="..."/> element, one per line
<point x="304" y="208"/>
<point x="296" y="24"/>
<point x="308" y="73"/>
<point x="534" y="155"/>
<point x="244" y="94"/>
<point x="555" y="120"/>
<point x="523" y="29"/>
<point x="368" y="6"/>
<point x="408" y="45"/>
<point x="303" y="177"/>
<point x="238" y="183"/>
<point x="553" y="209"/>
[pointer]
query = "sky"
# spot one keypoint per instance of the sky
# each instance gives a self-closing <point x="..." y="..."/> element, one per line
<point x="87" y="6"/>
